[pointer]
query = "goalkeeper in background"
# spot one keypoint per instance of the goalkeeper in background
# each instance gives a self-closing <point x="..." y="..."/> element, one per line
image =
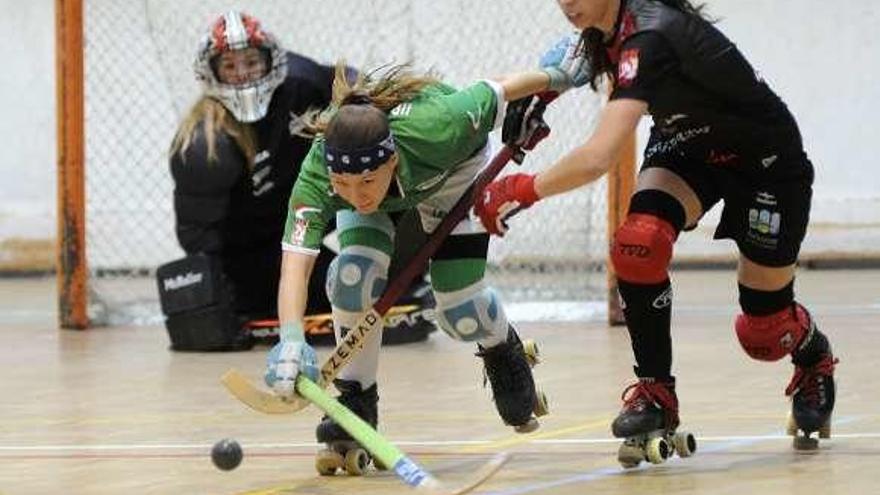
<point x="234" y="160"/>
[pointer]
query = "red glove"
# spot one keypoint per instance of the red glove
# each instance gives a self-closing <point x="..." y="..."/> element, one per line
<point x="504" y="198"/>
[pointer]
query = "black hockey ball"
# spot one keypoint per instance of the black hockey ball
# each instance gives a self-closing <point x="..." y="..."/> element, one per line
<point x="226" y="454"/>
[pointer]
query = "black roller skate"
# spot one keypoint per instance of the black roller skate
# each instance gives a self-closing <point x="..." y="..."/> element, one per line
<point x="647" y="423"/>
<point x="812" y="392"/>
<point x="342" y="452"/>
<point x="508" y="367"/>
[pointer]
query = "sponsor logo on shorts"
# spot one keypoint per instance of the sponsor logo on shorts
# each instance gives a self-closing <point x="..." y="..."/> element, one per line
<point x="768" y="161"/>
<point x="663" y="300"/>
<point x="764" y="226"/>
<point x="721" y="158"/>
<point x="765" y="198"/>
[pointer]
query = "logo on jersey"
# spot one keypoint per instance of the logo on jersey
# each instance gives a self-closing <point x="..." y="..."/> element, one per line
<point x="401" y="110"/>
<point x="302" y="215"/>
<point x="628" y="69"/>
<point x="260" y="185"/>
<point x="475" y="118"/>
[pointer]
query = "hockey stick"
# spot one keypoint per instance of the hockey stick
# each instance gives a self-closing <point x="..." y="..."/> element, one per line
<point x="371" y="323"/>
<point x="381" y="449"/>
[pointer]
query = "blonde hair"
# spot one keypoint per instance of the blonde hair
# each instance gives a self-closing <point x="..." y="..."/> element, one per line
<point x="214" y="118"/>
<point x="384" y="88"/>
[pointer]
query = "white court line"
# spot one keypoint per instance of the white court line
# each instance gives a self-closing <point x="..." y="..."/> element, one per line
<point x="409" y="443"/>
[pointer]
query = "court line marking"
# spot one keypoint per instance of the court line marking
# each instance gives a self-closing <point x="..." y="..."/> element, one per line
<point x="414" y="443"/>
<point x="727" y="443"/>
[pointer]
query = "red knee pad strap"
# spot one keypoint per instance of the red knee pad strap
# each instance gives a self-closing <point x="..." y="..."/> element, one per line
<point x="772" y="337"/>
<point x="642" y="249"/>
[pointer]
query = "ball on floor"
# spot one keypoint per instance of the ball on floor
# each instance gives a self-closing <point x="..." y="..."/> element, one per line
<point x="226" y="454"/>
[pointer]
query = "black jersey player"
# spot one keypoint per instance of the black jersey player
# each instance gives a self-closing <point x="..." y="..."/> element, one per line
<point x="720" y="134"/>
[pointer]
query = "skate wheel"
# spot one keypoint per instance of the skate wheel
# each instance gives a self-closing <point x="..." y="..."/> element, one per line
<point x="542" y="406"/>
<point x="802" y="442"/>
<point x="629" y="456"/>
<point x="825" y="430"/>
<point x="327" y="462"/>
<point x="657" y="450"/>
<point x="356" y="461"/>
<point x="791" y="427"/>
<point x="685" y="443"/>
<point x="533" y="356"/>
<point x="527" y="427"/>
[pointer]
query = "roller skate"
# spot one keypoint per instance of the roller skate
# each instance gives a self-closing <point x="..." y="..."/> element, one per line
<point x="812" y="392"/>
<point x="648" y="423"/>
<point x="342" y="452"/>
<point x="508" y="367"/>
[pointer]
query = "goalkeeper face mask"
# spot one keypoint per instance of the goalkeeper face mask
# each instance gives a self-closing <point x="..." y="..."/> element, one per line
<point x="240" y="65"/>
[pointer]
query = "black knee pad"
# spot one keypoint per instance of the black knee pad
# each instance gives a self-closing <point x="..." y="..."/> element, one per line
<point x="197" y="302"/>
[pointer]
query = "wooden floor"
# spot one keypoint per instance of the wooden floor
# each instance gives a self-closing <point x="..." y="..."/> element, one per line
<point x="112" y="411"/>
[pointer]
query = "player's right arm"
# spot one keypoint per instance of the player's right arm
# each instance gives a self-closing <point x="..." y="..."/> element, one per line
<point x="310" y="205"/>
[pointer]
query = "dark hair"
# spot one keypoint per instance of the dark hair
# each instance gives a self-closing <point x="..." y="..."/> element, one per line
<point x="357" y="123"/>
<point x="593" y="39"/>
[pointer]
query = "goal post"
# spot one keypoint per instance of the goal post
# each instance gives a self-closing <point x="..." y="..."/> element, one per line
<point x="125" y="80"/>
<point x="70" y="116"/>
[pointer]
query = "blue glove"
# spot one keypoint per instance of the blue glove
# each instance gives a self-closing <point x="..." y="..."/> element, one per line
<point x="290" y="357"/>
<point x="566" y="64"/>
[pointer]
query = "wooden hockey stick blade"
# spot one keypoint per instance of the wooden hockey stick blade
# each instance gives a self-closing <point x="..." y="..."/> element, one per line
<point x="258" y="399"/>
<point x="386" y="452"/>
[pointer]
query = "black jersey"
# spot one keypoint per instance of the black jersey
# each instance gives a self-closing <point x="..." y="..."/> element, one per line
<point x="225" y="209"/>
<point x="704" y="96"/>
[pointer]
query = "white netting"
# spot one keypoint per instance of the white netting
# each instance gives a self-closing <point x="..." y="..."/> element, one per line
<point x="139" y="81"/>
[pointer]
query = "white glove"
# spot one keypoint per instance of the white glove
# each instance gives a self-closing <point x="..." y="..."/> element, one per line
<point x="290" y="357"/>
<point x="566" y="64"/>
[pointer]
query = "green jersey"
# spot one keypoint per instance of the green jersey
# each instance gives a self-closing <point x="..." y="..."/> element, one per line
<point x="434" y="133"/>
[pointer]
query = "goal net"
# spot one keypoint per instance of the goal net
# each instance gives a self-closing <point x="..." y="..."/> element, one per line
<point x="139" y="82"/>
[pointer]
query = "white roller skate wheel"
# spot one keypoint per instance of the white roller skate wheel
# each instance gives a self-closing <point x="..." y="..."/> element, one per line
<point x="685" y="443"/>
<point x="542" y="406"/>
<point x="356" y="461"/>
<point x="657" y="450"/>
<point x="629" y="456"/>
<point x="327" y="462"/>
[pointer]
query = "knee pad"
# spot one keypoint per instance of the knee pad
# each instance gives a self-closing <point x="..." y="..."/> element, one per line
<point x="356" y="278"/>
<point x="470" y="314"/>
<point x="642" y="249"/>
<point x="774" y="336"/>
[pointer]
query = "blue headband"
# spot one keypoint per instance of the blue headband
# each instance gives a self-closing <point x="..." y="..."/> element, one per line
<point x="359" y="160"/>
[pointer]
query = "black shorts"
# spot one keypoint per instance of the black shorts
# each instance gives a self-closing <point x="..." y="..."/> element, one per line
<point x="766" y="204"/>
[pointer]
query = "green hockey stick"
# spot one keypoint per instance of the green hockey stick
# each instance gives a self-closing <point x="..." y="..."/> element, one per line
<point x="381" y="449"/>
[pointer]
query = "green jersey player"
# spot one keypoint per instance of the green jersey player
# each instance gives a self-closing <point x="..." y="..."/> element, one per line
<point x="389" y="144"/>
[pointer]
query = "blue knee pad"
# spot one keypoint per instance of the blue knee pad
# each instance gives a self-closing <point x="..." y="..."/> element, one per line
<point x="356" y="280"/>
<point x="470" y="314"/>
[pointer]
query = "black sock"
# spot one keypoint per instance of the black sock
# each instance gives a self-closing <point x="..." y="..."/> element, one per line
<point x="648" y="311"/>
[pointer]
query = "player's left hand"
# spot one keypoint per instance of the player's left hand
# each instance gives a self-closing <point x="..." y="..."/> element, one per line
<point x="504" y="198"/>
<point x="524" y="125"/>
<point x="566" y="64"/>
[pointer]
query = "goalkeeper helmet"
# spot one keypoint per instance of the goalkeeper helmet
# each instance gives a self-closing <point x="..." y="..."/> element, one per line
<point x="247" y="100"/>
